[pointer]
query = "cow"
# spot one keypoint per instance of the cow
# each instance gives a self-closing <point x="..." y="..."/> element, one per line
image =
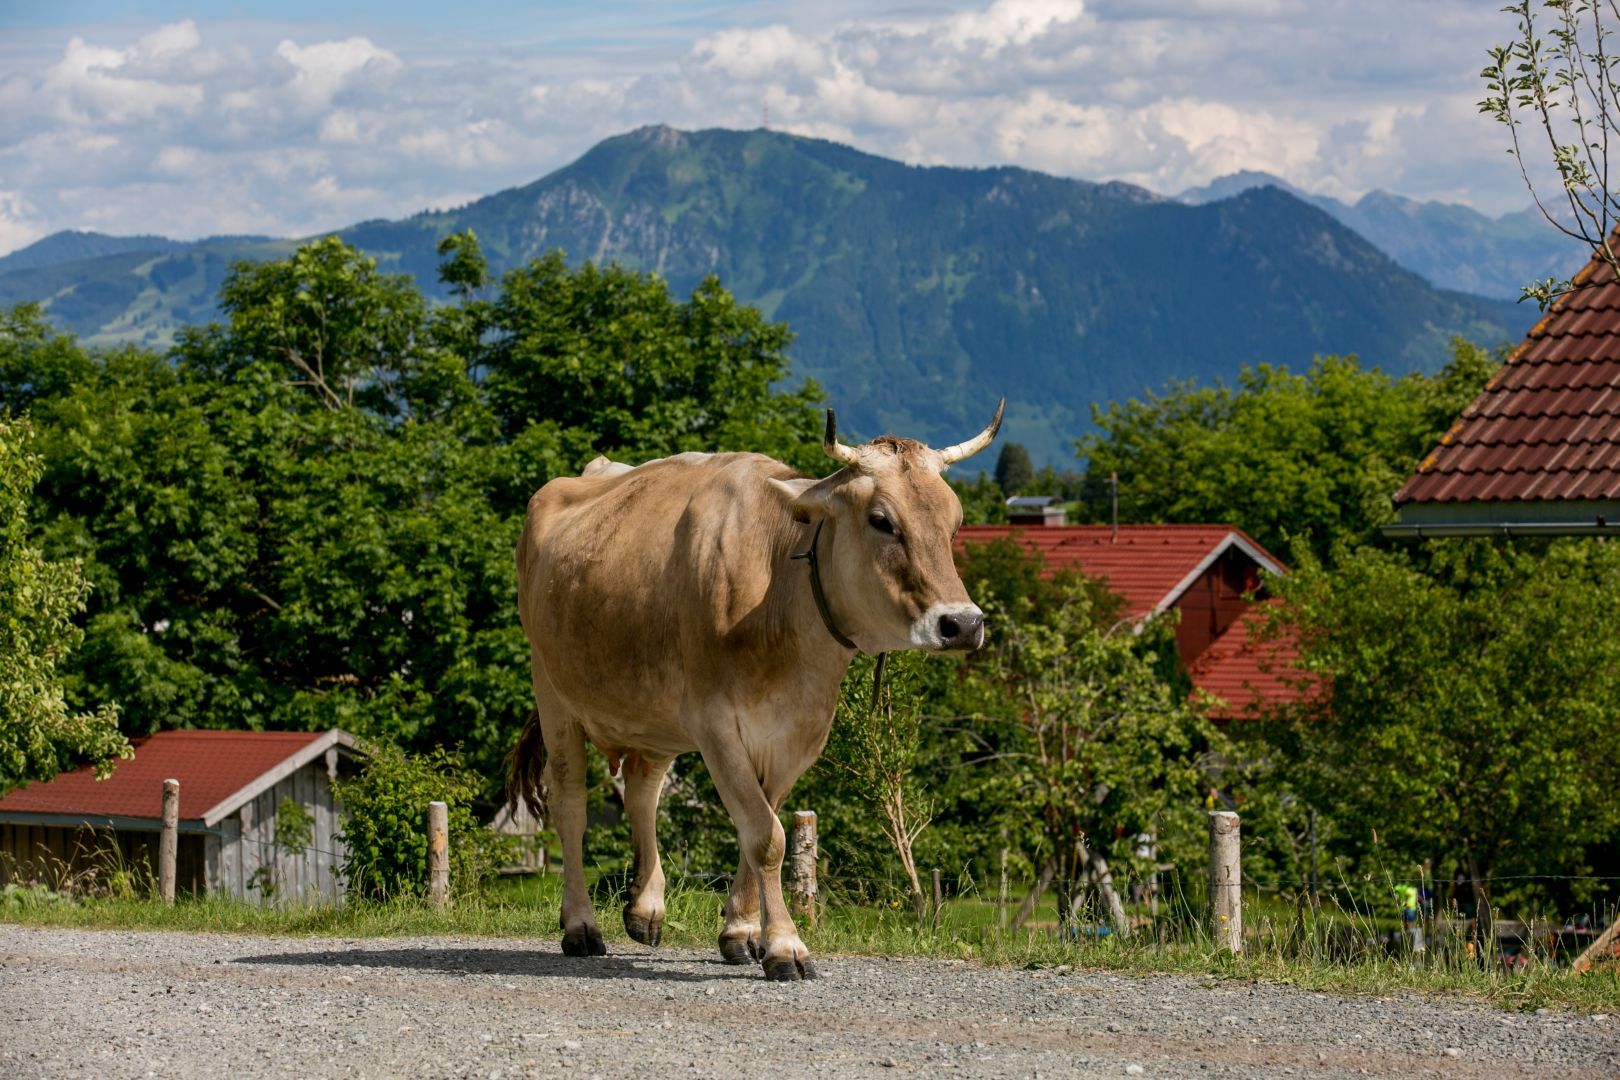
<point x="713" y="602"/>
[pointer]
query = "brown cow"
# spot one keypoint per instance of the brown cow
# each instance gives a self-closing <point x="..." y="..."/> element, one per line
<point x="670" y="607"/>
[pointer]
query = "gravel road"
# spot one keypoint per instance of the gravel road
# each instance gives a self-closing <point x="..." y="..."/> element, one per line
<point x="120" y="1004"/>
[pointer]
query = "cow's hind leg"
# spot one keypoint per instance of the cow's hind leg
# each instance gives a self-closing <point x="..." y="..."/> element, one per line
<point x="740" y="941"/>
<point x="763" y="844"/>
<point x="644" y="913"/>
<point x="565" y="768"/>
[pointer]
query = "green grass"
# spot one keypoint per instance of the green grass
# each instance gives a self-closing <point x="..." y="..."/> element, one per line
<point x="1278" y="951"/>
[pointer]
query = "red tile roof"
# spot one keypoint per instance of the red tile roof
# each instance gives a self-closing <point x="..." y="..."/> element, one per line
<point x="1245" y="675"/>
<point x="210" y="765"/>
<point x="1547" y="425"/>
<point x="1144" y="564"/>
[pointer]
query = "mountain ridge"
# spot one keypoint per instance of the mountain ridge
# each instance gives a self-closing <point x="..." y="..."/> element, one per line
<point x="1446" y="243"/>
<point x="918" y="293"/>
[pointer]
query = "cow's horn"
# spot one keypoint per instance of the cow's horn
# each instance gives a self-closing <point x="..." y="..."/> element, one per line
<point x="835" y="449"/>
<point x="978" y="442"/>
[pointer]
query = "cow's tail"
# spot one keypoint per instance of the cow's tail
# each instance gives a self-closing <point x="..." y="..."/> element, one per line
<point x="525" y="769"/>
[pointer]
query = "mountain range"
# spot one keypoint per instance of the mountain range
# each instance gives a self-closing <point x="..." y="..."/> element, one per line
<point x="1444" y="242"/>
<point x="918" y="295"/>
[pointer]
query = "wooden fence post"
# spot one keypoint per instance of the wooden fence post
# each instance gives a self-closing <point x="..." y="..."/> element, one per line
<point x="803" y="879"/>
<point x="169" y="840"/>
<point x="438" y="853"/>
<point x="1001" y="894"/>
<point x="1598" y="949"/>
<point x="1225" y="881"/>
<point x="939" y="900"/>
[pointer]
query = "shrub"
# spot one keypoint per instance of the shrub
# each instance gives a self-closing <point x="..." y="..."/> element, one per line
<point x="385" y="833"/>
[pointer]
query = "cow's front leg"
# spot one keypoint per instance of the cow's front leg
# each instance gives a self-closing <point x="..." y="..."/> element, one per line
<point x="644" y="913"/>
<point x="565" y="767"/>
<point x="763" y="843"/>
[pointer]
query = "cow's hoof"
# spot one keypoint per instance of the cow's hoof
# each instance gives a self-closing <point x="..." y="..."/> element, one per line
<point x="784" y="969"/>
<point x="739" y="950"/>
<point x="642" y="929"/>
<point x="584" y="941"/>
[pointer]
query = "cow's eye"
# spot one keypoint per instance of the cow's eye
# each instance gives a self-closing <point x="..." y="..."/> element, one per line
<point x="881" y="523"/>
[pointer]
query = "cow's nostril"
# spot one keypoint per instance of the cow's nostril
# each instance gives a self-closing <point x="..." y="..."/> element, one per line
<point x="949" y="628"/>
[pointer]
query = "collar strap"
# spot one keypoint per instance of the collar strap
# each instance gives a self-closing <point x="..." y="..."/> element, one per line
<point x="819" y="593"/>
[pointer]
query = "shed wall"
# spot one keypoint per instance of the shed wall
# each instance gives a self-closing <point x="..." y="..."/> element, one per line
<point x="53" y="854"/>
<point x="251" y="867"/>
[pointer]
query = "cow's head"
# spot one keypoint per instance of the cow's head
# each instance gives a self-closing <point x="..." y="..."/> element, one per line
<point x="887" y="519"/>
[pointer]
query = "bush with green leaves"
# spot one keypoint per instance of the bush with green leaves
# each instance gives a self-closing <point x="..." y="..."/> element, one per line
<point x="40" y="731"/>
<point x="385" y="831"/>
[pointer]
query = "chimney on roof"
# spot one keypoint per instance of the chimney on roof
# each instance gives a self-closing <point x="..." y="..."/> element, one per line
<point x="1113" y="503"/>
<point x="1041" y="510"/>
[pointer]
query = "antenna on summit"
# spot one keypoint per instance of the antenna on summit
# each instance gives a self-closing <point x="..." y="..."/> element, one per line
<point x="765" y="116"/>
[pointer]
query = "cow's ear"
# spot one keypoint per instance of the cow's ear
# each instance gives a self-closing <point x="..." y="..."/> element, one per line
<point x="804" y="501"/>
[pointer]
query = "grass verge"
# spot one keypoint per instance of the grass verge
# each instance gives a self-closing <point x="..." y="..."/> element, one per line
<point x="527" y="908"/>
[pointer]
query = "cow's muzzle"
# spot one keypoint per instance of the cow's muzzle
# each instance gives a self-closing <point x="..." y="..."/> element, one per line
<point x="949" y="626"/>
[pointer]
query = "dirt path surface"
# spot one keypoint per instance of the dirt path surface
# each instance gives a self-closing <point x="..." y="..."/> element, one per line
<point x="118" y="1004"/>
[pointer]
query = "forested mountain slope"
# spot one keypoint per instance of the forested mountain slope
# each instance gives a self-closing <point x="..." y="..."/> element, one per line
<point x="918" y="294"/>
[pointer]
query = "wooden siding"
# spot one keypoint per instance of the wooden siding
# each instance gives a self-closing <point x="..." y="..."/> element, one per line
<point x="1214" y="602"/>
<point x="261" y="871"/>
<point x="80" y="857"/>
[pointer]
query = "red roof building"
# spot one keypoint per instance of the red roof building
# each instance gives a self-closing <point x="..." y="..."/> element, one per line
<point x="1538" y="451"/>
<point x="233" y="784"/>
<point x="1205" y="572"/>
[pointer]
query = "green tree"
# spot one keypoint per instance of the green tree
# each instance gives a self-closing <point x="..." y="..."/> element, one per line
<point x="464" y="269"/>
<point x="39" y="733"/>
<point x="1093" y="746"/>
<point x="608" y="351"/>
<point x="341" y="330"/>
<point x="1015" y="474"/>
<point x="1312" y="457"/>
<point x="982" y="501"/>
<point x="1468" y="712"/>
<point x="877" y="738"/>
<point x="304" y="516"/>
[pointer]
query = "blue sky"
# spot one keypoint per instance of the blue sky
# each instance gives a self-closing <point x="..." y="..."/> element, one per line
<point x="296" y="116"/>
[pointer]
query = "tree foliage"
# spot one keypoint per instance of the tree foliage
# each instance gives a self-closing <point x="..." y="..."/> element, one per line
<point x="1558" y="75"/>
<point x="1312" y="458"/>
<point x="1091" y="744"/>
<point x="39" y="732"/>
<point x="1014" y="471"/>
<point x="385" y="836"/>
<point x="304" y="516"/>
<point x="607" y="351"/>
<point x="876" y="741"/>
<point x="1470" y="712"/>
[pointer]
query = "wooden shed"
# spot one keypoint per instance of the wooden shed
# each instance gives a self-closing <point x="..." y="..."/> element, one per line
<point x="233" y="786"/>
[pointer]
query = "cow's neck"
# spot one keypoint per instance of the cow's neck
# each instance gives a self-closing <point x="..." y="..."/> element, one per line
<point x="818" y="590"/>
<point x="801" y="613"/>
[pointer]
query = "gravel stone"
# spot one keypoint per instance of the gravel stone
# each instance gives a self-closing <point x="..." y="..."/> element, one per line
<point x="121" y="1004"/>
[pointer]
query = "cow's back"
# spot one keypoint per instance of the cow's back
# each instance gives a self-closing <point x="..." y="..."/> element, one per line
<point x="627" y="576"/>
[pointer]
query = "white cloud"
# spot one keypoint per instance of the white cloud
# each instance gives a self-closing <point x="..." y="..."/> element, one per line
<point x="17" y="225"/>
<point x="190" y="129"/>
<point x="322" y="69"/>
<point x="769" y="53"/>
<point x="1011" y="22"/>
<point x="168" y="41"/>
<point x="88" y="85"/>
